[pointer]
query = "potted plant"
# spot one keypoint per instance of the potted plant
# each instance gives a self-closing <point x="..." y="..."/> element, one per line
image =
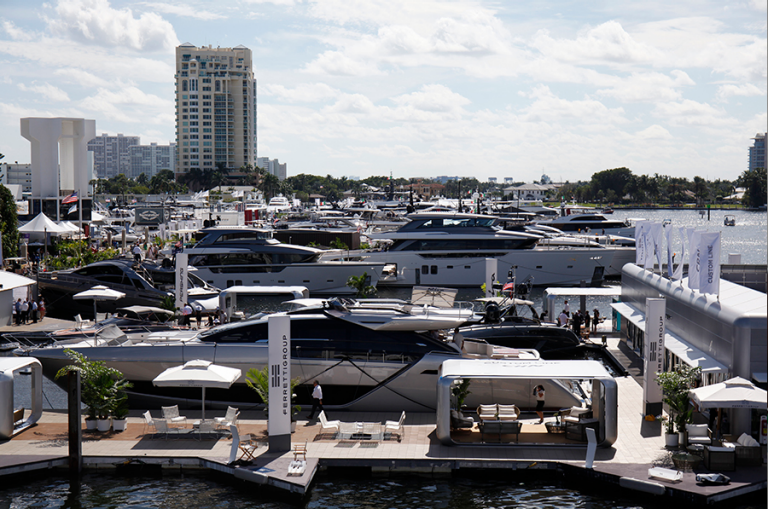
<point x="258" y="380"/>
<point x="460" y="391"/>
<point x="670" y="437"/>
<point x="676" y="386"/>
<point x="120" y="412"/>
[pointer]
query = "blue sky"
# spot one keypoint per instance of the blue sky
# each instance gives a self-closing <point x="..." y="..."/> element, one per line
<point x="416" y="88"/>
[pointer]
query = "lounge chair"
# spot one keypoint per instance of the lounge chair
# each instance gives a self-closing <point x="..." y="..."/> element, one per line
<point x="698" y="434"/>
<point x="576" y="414"/>
<point x="326" y="424"/>
<point x="171" y="415"/>
<point x="229" y="418"/>
<point x="161" y="428"/>
<point x="498" y="412"/>
<point x="395" y="427"/>
<point x="460" y="421"/>
<point x="207" y="428"/>
<point x="149" y="423"/>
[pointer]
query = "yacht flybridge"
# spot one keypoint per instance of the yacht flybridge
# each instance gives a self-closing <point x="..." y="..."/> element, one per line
<point x="449" y="249"/>
<point x="236" y="256"/>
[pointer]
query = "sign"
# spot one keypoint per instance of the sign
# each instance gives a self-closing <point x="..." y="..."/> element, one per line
<point x="279" y="420"/>
<point x="653" y="353"/>
<point x="182" y="279"/>
<point x="151" y="216"/>
<point x="491" y="274"/>
<point x="709" y="278"/>
<point x="22" y="208"/>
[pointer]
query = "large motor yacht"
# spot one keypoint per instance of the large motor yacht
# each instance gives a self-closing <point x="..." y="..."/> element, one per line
<point x="449" y="249"/>
<point x="362" y="361"/>
<point x="591" y="223"/>
<point x="236" y="256"/>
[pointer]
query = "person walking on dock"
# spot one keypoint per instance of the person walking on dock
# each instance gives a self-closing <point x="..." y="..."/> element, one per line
<point x="317" y="399"/>
<point x="538" y="391"/>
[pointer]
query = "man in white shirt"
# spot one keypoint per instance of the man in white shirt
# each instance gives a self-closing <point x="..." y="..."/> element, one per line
<point x="567" y="309"/>
<point x="317" y="399"/>
<point x="137" y="253"/>
<point x="562" y="319"/>
<point x="186" y="312"/>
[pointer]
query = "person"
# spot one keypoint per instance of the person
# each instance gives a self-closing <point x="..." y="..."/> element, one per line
<point x="137" y="252"/>
<point x="186" y="312"/>
<point x="595" y="320"/>
<point x="17" y="309"/>
<point x="458" y="340"/>
<point x="576" y="323"/>
<point x="198" y="315"/>
<point x="24" y="311"/>
<point x="562" y="319"/>
<point x="567" y="308"/>
<point x="41" y="308"/>
<point x="34" y="311"/>
<point x="317" y="399"/>
<point x="544" y="316"/>
<point x="210" y="319"/>
<point x="538" y="391"/>
<point x="587" y="320"/>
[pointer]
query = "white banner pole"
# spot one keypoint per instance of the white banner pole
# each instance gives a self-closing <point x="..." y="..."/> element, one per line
<point x="491" y="267"/>
<point x="182" y="260"/>
<point x="279" y="420"/>
<point x="653" y="353"/>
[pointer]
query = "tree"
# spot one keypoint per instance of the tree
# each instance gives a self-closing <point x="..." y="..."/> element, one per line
<point x="700" y="190"/>
<point x="142" y="179"/>
<point x="755" y="183"/>
<point x="9" y="222"/>
<point x="360" y="284"/>
<point x="676" y="386"/>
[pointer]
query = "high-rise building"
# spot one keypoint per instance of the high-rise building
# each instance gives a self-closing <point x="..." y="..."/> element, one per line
<point x="273" y="166"/>
<point x="111" y="156"/>
<point x="15" y="173"/>
<point x="150" y="159"/>
<point x="757" y="152"/>
<point x="215" y="108"/>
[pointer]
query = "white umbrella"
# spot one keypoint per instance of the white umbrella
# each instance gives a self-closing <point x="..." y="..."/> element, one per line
<point x="98" y="293"/>
<point x="198" y="373"/>
<point x="734" y="393"/>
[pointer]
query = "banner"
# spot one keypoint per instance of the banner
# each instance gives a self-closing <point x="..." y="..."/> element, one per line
<point x="651" y="231"/>
<point x="640" y="243"/>
<point x="182" y="261"/>
<point x="655" y="330"/>
<point x="668" y="232"/>
<point x="656" y="232"/>
<point x="709" y="281"/>
<point x="279" y="418"/>
<point x="694" y="263"/>
<point x="678" y="274"/>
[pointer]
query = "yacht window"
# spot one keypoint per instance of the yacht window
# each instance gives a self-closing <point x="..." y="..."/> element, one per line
<point x="434" y="269"/>
<point x="466" y="222"/>
<point x="243" y="236"/>
<point x="468" y="244"/>
<point x="425" y="269"/>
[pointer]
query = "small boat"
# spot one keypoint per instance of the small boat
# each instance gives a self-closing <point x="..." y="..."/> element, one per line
<point x="729" y="220"/>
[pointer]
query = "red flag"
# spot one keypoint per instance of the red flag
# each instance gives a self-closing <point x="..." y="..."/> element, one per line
<point x="72" y="198"/>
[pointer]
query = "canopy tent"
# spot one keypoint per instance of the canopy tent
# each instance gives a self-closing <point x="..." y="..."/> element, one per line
<point x="198" y="373"/>
<point x="98" y="293"/>
<point x="41" y="224"/>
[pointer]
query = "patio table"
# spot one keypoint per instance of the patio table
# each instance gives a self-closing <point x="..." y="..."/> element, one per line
<point x="360" y="430"/>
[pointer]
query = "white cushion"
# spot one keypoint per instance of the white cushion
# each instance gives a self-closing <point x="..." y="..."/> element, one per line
<point x="720" y="449"/>
<point x="696" y="430"/>
<point x="751" y="442"/>
<point x="729" y="445"/>
<point x="577" y="410"/>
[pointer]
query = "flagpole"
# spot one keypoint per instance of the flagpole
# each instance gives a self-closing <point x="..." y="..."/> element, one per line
<point x="80" y="225"/>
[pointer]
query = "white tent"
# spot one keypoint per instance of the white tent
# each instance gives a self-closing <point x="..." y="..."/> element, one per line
<point x="734" y="393"/>
<point x="41" y="224"/>
<point x="198" y="373"/>
<point x="98" y="293"/>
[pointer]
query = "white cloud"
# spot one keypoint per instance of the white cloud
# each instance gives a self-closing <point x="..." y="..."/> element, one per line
<point x="747" y="90"/>
<point x="186" y="10"/>
<point x="690" y="113"/>
<point x="338" y="64"/>
<point x="654" y="132"/>
<point x="305" y="92"/>
<point x="46" y="90"/>
<point x="547" y="107"/>
<point x="130" y="105"/>
<point x="390" y="12"/>
<point x="433" y="98"/>
<point x="648" y="87"/>
<point x="96" y="22"/>
<point x="16" y="33"/>
<point x="81" y="77"/>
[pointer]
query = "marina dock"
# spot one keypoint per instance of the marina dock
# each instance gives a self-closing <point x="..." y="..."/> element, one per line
<point x="640" y="446"/>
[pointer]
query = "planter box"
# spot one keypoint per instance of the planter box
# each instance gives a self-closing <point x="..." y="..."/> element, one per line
<point x="90" y="424"/>
<point x="671" y="439"/>
<point x="119" y="424"/>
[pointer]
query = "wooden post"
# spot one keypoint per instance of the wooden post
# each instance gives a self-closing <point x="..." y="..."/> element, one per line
<point x="75" y="426"/>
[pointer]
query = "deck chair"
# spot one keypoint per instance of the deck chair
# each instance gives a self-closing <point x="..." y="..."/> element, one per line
<point x="326" y="424"/>
<point x="79" y="322"/>
<point x="300" y="450"/>
<point x="395" y="427"/>
<point x="161" y="428"/>
<point x="206" y="428"/>
<point x="171" y="415"/>
<point x="229" y="418"/>
<point x="244" y="443"/>
<point x="149" y="423"/>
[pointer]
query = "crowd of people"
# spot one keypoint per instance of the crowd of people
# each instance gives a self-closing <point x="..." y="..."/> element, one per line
<point x="577" y="319"/>
<point x="28" y="310"/>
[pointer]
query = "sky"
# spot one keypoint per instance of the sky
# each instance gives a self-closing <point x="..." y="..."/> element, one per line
<point x="416" y="88"/>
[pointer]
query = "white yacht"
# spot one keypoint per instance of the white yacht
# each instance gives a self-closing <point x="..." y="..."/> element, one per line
<point x="591" y="223"/>
<point x="449" y="249"/>
<point x="278" y="204"/>
<point x="237" y="256"/>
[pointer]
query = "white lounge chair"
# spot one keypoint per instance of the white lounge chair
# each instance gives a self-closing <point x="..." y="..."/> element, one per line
<point x="326" y="424"/>
<point x="229" y="418"/>
<point x="161" y="428"/>
<point x="149" y="423"/>
<point x="395" y="427"/>
<point x="171" y="415"/>
<point x="206" y="428"/>
<point x="297" y="468"/>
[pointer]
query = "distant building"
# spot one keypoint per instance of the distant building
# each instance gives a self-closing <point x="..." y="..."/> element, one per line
<point x="17" y="174"/>
<point x="757" y="152"/>
<point x="530" y="191"/>
<point x="509" y="180"/>
<point x="150" y="159"/>
<point x="273" y="166"/>
<point x="215" y="108"/>
<point x="493" y="180"/>
<point x="444" y="179"/>
<point x="111" y="155"/>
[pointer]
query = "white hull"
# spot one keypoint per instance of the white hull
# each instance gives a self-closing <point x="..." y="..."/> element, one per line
<point x="319" y="278"/>
<point x="548" y="266"/>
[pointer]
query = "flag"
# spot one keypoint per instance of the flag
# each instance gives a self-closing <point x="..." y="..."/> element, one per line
<point x="72" y="209"/>
<point x="678" y="274"/>
<point x="649" y="245"/>
<point x="694" y="264"/>
<point x="72" y="198"/>
<point x="656" y="232"/>
<point x="639" y="243"/>
<point x="709" y="280"/>
<point x="669" y="231"/>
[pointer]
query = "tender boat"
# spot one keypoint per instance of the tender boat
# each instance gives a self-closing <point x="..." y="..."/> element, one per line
<point x="237" y="256"/>
<point x="729" y="220"/>
<point x="449" y="249"/>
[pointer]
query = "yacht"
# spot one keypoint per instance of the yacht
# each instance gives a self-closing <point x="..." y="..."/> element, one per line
<point x="450" y="249"/>
<point x="237" y="256"/>
<point x="278" y="204"/>
<point x="362" y="363"/>
<point x="591" y="223"/>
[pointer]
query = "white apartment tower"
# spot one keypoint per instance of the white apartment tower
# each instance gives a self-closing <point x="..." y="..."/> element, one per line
<point x="215" y="108"/>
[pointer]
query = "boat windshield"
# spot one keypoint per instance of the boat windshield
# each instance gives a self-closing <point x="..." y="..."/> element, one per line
<point x="466" y="222"/>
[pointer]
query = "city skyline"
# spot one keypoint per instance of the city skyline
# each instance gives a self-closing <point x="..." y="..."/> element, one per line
<point x="467" y="88"/>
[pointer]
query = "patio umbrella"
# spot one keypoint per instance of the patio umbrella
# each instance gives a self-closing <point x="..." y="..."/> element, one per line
<point x="733" y="393"/>
<point x="198" y="373"/>
<point x="98" y="293"/>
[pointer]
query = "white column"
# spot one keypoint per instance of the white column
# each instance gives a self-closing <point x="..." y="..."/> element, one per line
<point x="653" y="353"/>
<point x="279" y="420"/>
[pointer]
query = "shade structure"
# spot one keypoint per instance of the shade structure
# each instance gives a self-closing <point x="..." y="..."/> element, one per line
<point x="733" y="393"/>
<point x="198" y="373"/>
<point x="97" y="293"/>
<point x="41" y="224"/>
<point x="439" y="297"/>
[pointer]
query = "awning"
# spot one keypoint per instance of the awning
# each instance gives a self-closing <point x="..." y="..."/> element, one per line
<point x="672" y="342"/>
<point x="761" y="377"/>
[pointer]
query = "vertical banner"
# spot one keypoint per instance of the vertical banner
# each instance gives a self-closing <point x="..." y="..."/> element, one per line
<point x="279" y="420"/>
<point x="668" y="231"/>
<point x="640" y="243"/>
<point x="182" y="279"/>
<point x="678" y="274"/>
<point x="709" y="281"/>
<point x="653" y="352"/>
<point x="656" y="233"/>
<point x="491" y="266"/>
<point x="694" y="264"/>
